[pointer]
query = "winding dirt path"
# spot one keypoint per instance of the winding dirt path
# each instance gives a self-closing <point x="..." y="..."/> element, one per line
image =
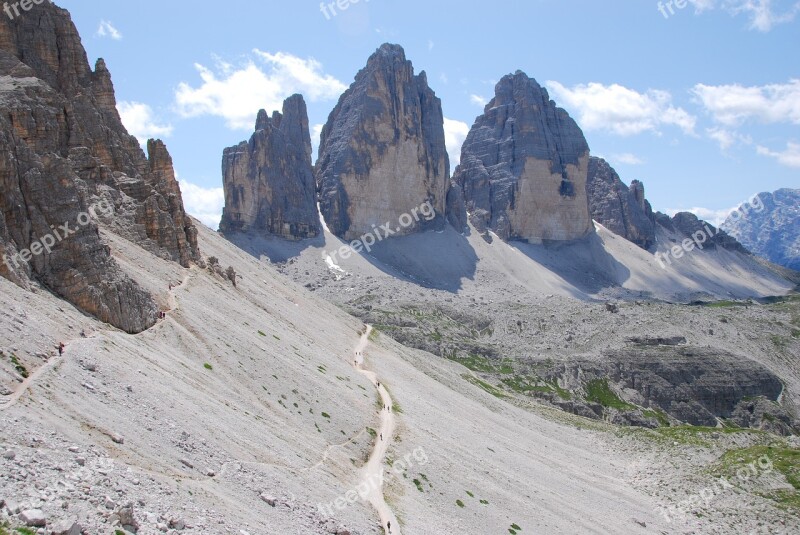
<point x="9" y="401"/>
<point x="373" y="471"/>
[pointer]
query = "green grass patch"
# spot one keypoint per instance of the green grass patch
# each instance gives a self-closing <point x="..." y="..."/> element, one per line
<point x="374" y="335"/>
<point x="25" y="531"/>
<point x="418" y="484"/>
<point x="763" y="459"/>
<point x="262" y="333"/>
<point x="371" y="432"/>
<point x="484" y="502"/>
<point x="657" y="414"/>
<point x="208" y="366"/>
<point x="460" y="503"/>
<point x="326" y="415"/>
<point x="496" y="392"/>
<point x="22" y="370"/>
<point x="599" y="391"/>
<point x="276" y="337"/>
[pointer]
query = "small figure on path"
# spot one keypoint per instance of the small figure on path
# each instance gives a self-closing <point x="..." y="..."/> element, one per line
<point x="389" y="526"/>
<point x="61" y="349"/>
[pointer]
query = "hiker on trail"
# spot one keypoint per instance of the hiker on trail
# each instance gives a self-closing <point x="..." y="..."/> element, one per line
<point x="389" y="526"/>
<point x="60" y="349"/>
<point x="381" y="437"/>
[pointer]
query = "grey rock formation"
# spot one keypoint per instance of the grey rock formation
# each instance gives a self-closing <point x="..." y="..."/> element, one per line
<point x="622" y="210"/>
<point x="770" y="227"/>
<point x="690" y="225"/>
<point x="63" y="150"/>
<point x="524" y="167"/>
<point x="269" y="181"/>
<point x="690" y="384"/>
<point x="382" y="151"/>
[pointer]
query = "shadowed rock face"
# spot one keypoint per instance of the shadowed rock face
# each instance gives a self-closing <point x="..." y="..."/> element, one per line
<point x="622" y="210"/>
<point x="63" y="149"/>
<point x="382" y="151"/>
<point x="269" y="182"/>
<point x="524" y="166"/>
<point x="690" y="384"/>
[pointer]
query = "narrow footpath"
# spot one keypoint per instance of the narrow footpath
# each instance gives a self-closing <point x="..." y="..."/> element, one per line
<point x="374" y="467"/>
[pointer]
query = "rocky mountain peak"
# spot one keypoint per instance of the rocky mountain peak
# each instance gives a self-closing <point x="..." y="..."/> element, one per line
<point x="269" y="181"/>
<point x="382" y="151"/>
<point x="524" y="167"/>
<point x="769" y="226"/>
<point x="63" y="152"/>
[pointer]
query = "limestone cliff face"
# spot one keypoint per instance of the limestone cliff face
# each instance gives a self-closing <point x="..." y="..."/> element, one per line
<point x="269" y="181"/>
<point x="63" y="150"/>
<point x="524" y="167"/>
<point x="382" y="151"/>
<point x="622" y="210"/>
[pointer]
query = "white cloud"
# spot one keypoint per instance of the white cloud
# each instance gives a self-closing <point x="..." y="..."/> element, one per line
<point x="733" y="105"/>
<point x="203" y="203"/>
<point x="727" y="138"/>
<point x="715" y="217"/>
<point x="621" y="110"/>
<point x="455" y="132"/>
<point x="790" y="157"/>
<point x="763" y="14"/>
<point x="478" y="100"/>
<point x="627" y="158"/>
<point x="139" y="120"/>
<point x="106" y="29"/>
<point x="264" y="82"/>
<point x="431" y="44"/>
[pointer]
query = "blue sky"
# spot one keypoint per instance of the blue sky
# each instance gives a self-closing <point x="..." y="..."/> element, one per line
<point x="700" y="102"/>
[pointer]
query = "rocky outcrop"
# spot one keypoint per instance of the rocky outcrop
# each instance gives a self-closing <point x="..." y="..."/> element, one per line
<point x="63" y="153"/>
<point x="382" y="151"/>
<point x="690" y="385"/>
<point x="690" y="226"/>
<point x="524" y="167"/>
<point x="769" y="226"/>
<point x="269" y="181"/>
<point x="622" y="210"/>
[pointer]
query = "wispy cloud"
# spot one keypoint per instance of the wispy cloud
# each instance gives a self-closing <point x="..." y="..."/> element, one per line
<point x="478" y="100"/>
<point x="621" y="110"/>
<point x="106" y="29"/>
<point x="763" y="15"/>
<point x="627" y="158"/>
<point x="237" y="93"/>
<point x="140" y="121"/>
<point x="789" y="157"/>
<point x="203" y="203"/>
<point x="734" y="104"/>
